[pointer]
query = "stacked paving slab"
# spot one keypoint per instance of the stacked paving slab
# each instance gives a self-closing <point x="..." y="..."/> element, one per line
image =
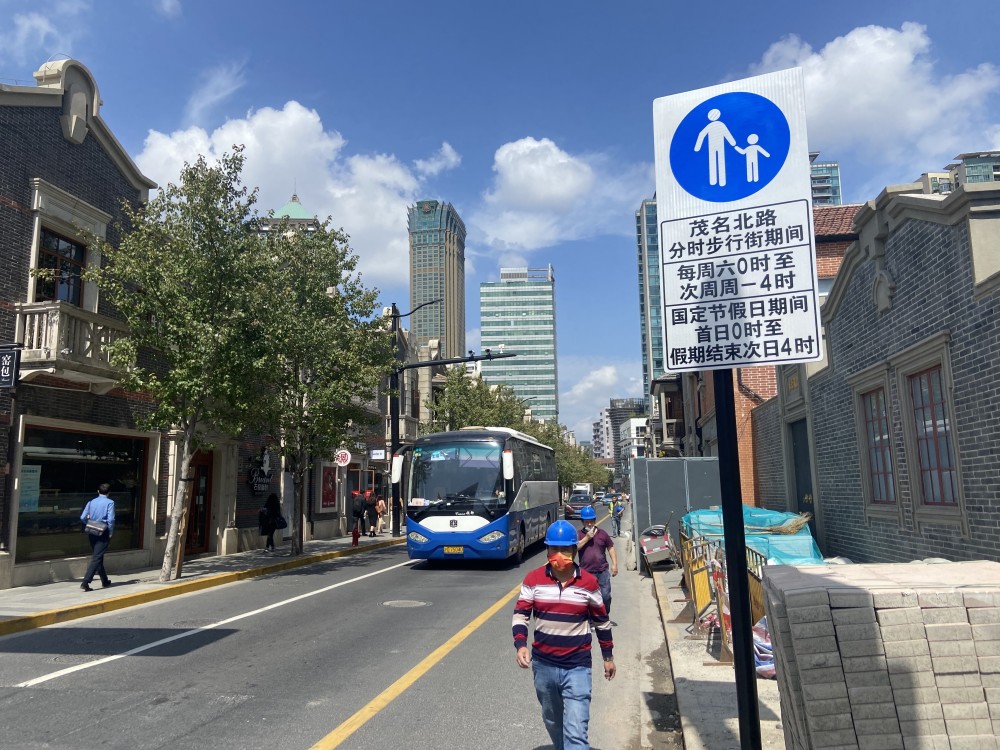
<point x="879" y="657"/>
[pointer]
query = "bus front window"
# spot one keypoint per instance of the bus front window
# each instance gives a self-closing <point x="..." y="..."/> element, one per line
<point x="459" y="478"/>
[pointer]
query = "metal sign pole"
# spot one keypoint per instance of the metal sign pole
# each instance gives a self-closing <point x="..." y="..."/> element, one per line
<point x="736" y="561"/>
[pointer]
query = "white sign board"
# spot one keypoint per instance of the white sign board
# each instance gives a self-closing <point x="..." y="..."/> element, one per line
<point x="734" y="204"/>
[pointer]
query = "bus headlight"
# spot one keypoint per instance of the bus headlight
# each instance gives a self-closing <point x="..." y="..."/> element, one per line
<point x="491" y="537"/>
<point x="418" y="538"/>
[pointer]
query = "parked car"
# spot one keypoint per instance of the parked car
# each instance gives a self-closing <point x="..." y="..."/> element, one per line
<point x="599" y="496"/>
<point x="575" y="504"/>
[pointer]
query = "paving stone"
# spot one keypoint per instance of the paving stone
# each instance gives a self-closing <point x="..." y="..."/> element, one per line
<point x="873" y="663"/>
<point x="907" y="632"/>
<point x="875" y="711"/>
<point x="984" y="615"/>
<point x="910" y="696"/>
<point x="859" y="695"/>
<point x="815" y="661"/>
<point x="922" y="727"/>
<point x="901" y="616"/>
<point x="807" y="598"/>
<point x="865" y="632"/>
<point x="875" y="726"/>
<point x="945" y="615"/>
<point x="958" y="680"/>
<point x="880" y="741"/>
<point x="953" y="648"/>
<point x="953" y="664"/>
<point x="824" y="692"/>
<point x="823" y="676"/>
<point x="935" y="742"/>
<point x="853" y="615"/>
<point x="919" y="711"/>
<point x="965" y="711"/>
<point x="816" y="613"/>
<point x="811" y="629"/>
<point x="960" y="632"/>
<point x="961" y="695"/>
<point x="827" y="707"/>
<point x="833" y="738"/>
<point x="974" y="599"/>
<point x="987" y="648"/>
<point x="931" y="599"/>
<point x="974" y="742"/>
<point x="869" y="647"/>
<point x="867" y="679"/>
<point x="850" y="598"/>
<point x="988" y="632"/>
<point x="912" y="664"/>
<point x="826" y="644"/>
<point x="901" y="680"/>
<point x="907" y="648"/>
<point x="959" y="727"/>
<point x="894" y="599"/>
<point x="831" y="722"/>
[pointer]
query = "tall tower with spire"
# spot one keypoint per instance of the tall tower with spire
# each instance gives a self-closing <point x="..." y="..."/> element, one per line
<point x="295" y="214"/>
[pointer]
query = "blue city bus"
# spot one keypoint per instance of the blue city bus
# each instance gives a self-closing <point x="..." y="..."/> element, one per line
<point x="480" y="493"/>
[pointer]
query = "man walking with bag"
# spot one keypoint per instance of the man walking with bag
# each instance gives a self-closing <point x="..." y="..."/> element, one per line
<point x="98" y="518"/>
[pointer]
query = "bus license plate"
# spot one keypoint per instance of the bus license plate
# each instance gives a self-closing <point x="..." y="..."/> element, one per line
<point x="454" y="550"/>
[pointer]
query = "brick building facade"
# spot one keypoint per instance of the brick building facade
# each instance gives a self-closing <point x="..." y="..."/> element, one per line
<point x="903" y="417"/>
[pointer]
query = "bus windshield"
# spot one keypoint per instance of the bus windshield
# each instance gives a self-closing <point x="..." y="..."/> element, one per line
<point x="457" y="479"/>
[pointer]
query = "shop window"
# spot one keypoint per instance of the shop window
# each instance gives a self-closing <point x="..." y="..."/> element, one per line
<point x="64" y="261"/>
<point x="60" y="471"/>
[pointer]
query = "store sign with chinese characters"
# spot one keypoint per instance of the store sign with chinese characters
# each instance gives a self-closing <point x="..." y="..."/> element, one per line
<point x="734" y="201"/>
<point x="10" y="361"/>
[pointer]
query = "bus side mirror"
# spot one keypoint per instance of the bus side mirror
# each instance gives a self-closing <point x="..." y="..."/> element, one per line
<point x="508" y="465"/>
<point x="397" y="469"/>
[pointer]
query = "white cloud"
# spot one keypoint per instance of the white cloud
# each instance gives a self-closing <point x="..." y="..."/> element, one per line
<point x="290" y="150"/>
<point x="217" y="85"/>
<point x="875" y="94"/>
<point x="580" y="405"/>
<point x="48" y="30"/>
<point x="168" y="8"/>
<point x="446" y="158"/>
<point x="473" y="339"/>
<point x="542" y="195"/>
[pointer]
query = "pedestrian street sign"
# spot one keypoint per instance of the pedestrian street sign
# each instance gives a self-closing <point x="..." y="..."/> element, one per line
<point x="734" y="202"/>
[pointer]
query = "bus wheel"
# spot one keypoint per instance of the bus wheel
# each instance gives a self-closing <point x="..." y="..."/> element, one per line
<point x="519" y="553"/>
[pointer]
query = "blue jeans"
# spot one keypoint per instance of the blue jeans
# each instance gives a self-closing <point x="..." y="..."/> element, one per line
<point x="604" y="581"/>
<point x="99" y="545"/>
<point x="564" y="695"/>
<point x="616" y="525"/>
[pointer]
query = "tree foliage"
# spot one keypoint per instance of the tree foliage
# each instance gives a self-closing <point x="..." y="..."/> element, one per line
<point x="327" y="351"/>
<point x="573" y="464"/>
<point x="183" y="278"/>
<point x="467" y="402"/>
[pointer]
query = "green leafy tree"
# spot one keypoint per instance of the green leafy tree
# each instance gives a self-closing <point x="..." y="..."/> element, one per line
<point x="467" y="402"/>
<point x="327" y="351"/>
<point x="183" y="278"/>
<point x="573" y="464"/>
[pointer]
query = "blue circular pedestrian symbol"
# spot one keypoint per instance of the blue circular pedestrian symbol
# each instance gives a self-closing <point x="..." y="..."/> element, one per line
<point x="729" y="146"/>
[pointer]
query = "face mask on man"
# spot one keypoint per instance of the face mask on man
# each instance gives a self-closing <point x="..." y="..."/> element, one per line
<point x="560" y="561"/>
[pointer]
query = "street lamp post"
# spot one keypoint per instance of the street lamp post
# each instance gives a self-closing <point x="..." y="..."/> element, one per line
<point x="394" y="399"/>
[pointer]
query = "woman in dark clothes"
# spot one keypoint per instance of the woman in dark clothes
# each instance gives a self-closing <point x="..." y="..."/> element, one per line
<point x="269" y="516"/>
<point x="371" y="510"/>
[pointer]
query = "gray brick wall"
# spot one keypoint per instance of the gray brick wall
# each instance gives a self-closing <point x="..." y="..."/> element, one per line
<point x="769" y="464"/>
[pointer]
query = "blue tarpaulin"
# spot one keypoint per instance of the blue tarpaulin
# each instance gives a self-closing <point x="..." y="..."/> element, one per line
<point x="798" y="548"/>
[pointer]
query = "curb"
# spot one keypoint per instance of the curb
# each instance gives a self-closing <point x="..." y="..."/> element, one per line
<point x="77" y="611"/>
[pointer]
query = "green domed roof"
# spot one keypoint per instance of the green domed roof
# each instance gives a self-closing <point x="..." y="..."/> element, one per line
<point x="293" y="210"/>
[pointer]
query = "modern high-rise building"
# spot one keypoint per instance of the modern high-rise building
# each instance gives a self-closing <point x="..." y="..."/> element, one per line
<point x="518" y="314"/>
<point x="975" y="167"/>
<point x="650" y="300"/>
<point x="825" y="181"/>
<point x="437" y="271"/>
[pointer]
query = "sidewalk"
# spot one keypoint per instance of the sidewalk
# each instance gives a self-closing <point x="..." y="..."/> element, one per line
<point x="706" y="689"/>
<point x="28" y="607"/>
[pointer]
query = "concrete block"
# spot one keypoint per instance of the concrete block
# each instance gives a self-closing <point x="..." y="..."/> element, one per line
<point x="865" y="632"/>
<point x="907" y="648"/>
<point x="825" y="692"/>
<point x="977" y="599"/>
<point x="959" y="632"/>
<point x="958" y="680"/>
<point x="959" y="727"/>
<point x="853" y="616"/>
<point x="965" y="711"/>
<point x="811" y="629"/>
<point x="953" y="648"/>
<point x="818" y="661"/>
<point x="961" y="695"/>
<point x="875" y="726"/>
<point x="912" y="696"/>
<point x="874" y="711"/>
<point x="945" y="615"/>
<point x="987" y="632"/>
<point x="880" y="694"/>
<point x="806" y="598"/>
<point x="880" y="741"/>
<point x="867" y="647"/>
<point x="833" y="738"/>
<point x="867" y="679"/>
<point x="933" y="742"/>
<point x="922" y="727"/>
<point x="911" y="664"/>
<point x="990" y="679"/>
<point x="988" y="648"/>
<point x="816" y="613"/>
<point x="848" y="598"/>
<point x="874" y="663"/>
<point x="984" y="615"/>
<point x="902" y="680"/>
<point x="931" y="599"/>
<point x="831" y="722"/>
<point x="973" y="742"/>
<point x="824" y="676"/>
<point x="828" y="707"/>
<point x="952" y="664"/>
<point x="824" y="644"/>
<point x="908" y="632"/>
<point x="988" y="664"/>
<point x="993" y="696"/>
<point x="904" y="616"/>
<point x="919" y="711"/>
<point x="894" y="599"/>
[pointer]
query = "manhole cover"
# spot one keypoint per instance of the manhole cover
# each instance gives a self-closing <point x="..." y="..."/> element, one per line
<point x="404" y="603"/>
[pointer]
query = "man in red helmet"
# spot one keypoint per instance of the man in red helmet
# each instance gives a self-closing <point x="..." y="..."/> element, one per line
<point x="565" y="601"/>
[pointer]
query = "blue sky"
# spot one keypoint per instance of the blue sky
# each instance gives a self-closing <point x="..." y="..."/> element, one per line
<point x="533" y="118"/>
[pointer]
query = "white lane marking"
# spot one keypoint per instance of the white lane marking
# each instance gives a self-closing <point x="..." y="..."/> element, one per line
<point x="187" y="633"/>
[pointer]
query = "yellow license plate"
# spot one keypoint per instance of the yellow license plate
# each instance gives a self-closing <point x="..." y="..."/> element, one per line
<point x="454" y="550"/>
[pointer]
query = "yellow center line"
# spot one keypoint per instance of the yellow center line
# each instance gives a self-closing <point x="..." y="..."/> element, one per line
<point x="397" y="688"/>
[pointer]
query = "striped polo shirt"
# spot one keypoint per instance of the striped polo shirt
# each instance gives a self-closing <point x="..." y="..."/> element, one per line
<point x="563" y="616"/>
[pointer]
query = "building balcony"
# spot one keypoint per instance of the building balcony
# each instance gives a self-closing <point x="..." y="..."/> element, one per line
<point x="67" y="342"/>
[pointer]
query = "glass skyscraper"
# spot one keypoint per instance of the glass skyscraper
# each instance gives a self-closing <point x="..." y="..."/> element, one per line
<point x="437" y="271"/>
<point x="650" y="298"/>
<point x="518" y="314"/>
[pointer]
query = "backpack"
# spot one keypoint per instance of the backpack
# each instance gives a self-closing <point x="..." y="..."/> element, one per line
<point x="358" y="505"/>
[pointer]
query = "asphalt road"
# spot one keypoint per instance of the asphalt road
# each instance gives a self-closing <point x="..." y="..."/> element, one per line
<point x="370" y="651"/>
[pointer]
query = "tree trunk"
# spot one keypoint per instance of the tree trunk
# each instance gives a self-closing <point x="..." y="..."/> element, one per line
<point x="173" y="554"/>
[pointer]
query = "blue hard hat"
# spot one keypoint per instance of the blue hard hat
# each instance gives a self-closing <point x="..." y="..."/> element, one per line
<point x="587" y="513"/>
<point x="561" y="534"/>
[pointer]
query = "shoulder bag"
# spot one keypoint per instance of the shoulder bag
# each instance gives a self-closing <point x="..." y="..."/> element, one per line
<point x="95" y="527"/>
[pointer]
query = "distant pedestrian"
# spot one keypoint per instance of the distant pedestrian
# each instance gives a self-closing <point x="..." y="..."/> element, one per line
<point x="358" y="510"/>
<point x="370" y="512"/>
<point x="565" y="601"/>
<point x="617" y="512"/>
<point x="380" y="509"/>
<point x="100" y="512"/>
<point x="595" y="547"/>
<point x="269" y="516"/>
